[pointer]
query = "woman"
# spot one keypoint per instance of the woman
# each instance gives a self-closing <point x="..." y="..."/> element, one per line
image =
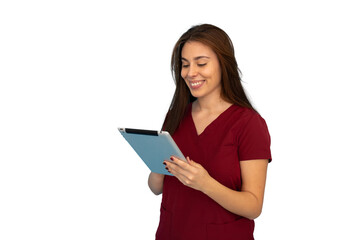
<point x="218" y="190"/>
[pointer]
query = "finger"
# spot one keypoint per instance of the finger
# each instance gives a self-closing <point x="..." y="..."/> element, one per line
<point x="185" y="178"/>
<point x="181" y="166"/>
<point x="179" y="173"/>
<point x="173" y="167"/>
<point x="192" y="163"/>
<point x="183" y="174"/>
<point x="179" y="162"/>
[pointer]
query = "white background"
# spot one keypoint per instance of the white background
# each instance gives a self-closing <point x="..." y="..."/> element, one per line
<point x="71" y="72"/>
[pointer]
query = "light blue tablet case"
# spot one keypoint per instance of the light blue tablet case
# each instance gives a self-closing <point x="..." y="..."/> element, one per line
<point x="152" y="147"/>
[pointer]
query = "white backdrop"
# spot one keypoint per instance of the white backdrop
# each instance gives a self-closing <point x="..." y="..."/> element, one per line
<point x="71" y="72"/>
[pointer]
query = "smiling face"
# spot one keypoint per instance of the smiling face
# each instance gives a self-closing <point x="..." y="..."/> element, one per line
<point x="201" y="70"/>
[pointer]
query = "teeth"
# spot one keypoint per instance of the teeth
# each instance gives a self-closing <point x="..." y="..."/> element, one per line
<point x="195" y="83"/>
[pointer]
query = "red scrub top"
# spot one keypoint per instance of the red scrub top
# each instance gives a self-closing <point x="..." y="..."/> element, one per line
<point x="186" y="214"/>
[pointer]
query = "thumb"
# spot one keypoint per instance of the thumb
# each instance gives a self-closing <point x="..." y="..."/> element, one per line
<point x="192" y="163"/>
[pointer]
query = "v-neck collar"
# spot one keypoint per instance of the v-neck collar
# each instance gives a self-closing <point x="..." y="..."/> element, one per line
<point x="209" y="126"/>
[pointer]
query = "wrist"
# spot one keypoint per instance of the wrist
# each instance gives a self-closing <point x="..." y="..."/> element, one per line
<point x="209" y="185"/>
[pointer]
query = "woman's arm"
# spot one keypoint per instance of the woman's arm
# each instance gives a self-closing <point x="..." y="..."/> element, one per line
<point x="156" y="182"/>
<point x="247" y="203"/>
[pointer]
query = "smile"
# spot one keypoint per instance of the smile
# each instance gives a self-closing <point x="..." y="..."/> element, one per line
<point x="196" y="84"/>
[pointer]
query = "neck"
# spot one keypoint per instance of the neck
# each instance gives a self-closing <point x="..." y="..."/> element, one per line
<point x="211" y="104"/>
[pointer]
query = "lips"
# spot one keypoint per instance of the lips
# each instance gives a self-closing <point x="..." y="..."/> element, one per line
<point x="196" y="84"/>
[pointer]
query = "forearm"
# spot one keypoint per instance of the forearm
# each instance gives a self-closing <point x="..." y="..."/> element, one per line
<point x="242" y="203"/>
<point x="156" y="182"/>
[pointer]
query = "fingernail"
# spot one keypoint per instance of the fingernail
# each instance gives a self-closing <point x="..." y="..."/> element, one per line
<point x="166" y="168"/>
<point x="164" y="163"/>
<point x="172" y="159"/>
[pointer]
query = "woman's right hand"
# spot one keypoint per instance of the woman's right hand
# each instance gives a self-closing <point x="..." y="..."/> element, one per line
<point x="156" y="182"/>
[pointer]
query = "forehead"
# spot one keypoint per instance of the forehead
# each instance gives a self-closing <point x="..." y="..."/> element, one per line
<point x="192" y="50"/>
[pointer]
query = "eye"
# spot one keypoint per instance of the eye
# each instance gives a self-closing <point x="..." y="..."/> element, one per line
<point x="201" y="64"/>
<point x="185" y="65"/>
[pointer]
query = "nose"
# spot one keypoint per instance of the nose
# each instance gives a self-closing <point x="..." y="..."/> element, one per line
<point x="193" y="71"/>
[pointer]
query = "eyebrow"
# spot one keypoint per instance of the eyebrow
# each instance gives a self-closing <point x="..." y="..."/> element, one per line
<point x="196" y="58"/>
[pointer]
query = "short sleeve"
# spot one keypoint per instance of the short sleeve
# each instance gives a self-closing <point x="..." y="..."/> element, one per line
<point x="254" y="140"/>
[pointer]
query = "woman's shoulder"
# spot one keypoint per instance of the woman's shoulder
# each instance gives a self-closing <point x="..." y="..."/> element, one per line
<point x="244" y="113"/>
<point x="242" y="117"/>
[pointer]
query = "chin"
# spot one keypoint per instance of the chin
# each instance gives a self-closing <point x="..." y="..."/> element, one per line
<point x="196" y="95"/>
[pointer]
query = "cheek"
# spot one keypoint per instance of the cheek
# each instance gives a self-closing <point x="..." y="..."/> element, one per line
<point x="209" y="73"/>
<point x="217" y="74"/>
<point x="183" y="73"/>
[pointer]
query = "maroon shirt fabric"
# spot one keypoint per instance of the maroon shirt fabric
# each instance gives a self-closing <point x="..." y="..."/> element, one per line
<point x="237" y="134"/>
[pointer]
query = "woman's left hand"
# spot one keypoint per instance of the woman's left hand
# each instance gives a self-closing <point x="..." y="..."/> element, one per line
<point x="189" y="173"/>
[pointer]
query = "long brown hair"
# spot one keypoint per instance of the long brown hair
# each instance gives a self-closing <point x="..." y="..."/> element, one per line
<point x="231" y="87"/>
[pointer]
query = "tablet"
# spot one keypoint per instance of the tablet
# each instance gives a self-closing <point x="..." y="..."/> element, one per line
<point x="153" y="147"/>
